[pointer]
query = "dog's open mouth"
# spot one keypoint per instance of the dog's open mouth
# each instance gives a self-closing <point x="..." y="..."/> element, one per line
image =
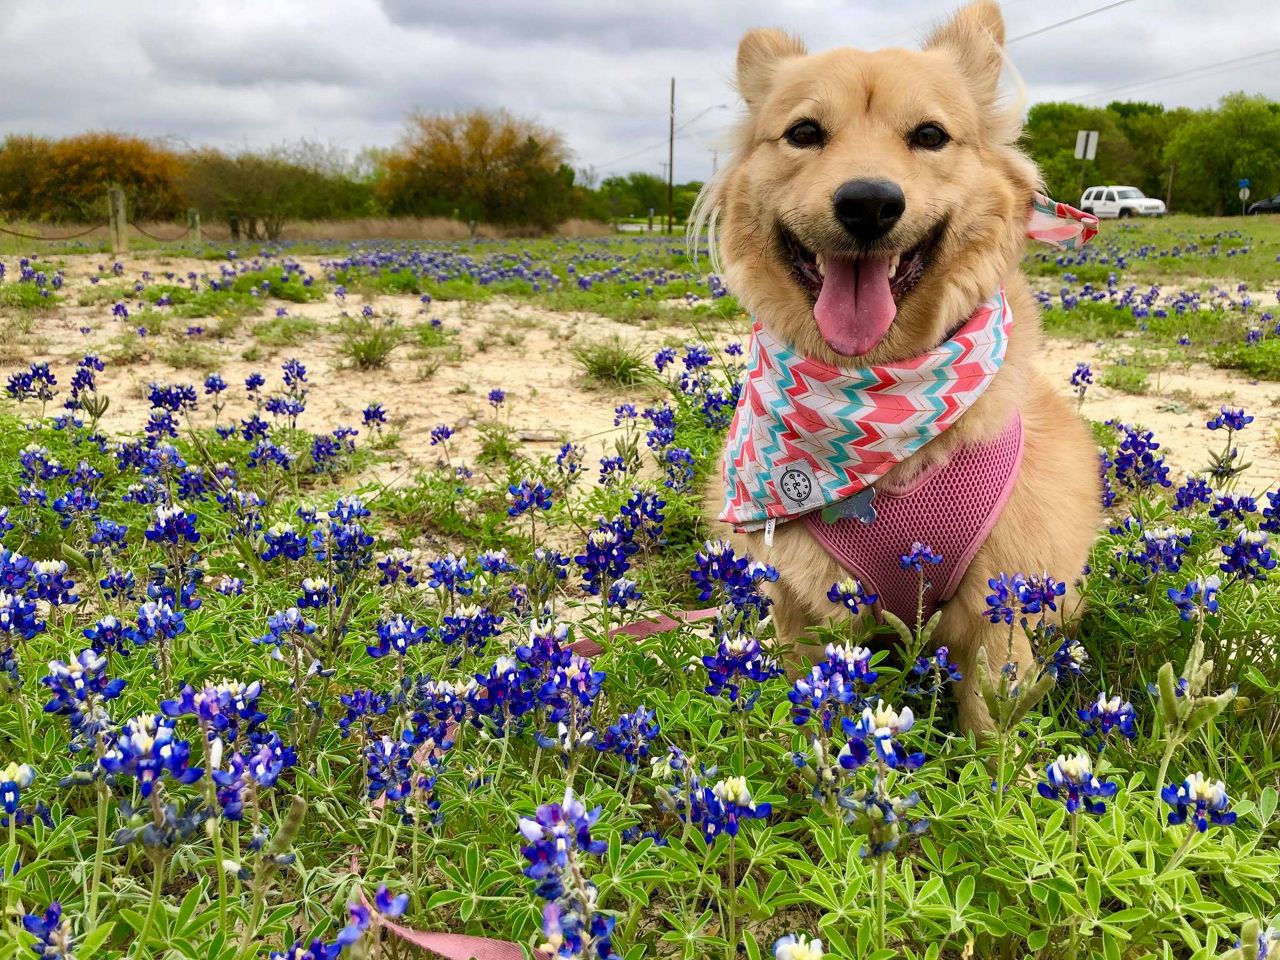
<point x="855" y="299"/>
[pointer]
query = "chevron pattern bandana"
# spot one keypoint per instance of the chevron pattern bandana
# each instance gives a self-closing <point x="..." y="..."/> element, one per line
<point x="806" y="434"/>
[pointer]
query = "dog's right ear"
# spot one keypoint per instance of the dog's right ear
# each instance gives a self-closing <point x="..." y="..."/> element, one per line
<point x="759" y="54"/>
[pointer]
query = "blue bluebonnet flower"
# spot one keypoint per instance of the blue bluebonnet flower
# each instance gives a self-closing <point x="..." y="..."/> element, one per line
<point x="397" y="635"/>
<point x="284" y="626"/>
<point x="918" y="556"/>
<point x="1229" y="509"/>
<point x="821" y="693"/>
<point x="732" y="580"/>
<point x="397" y="565"/>
<point x="214" y="384"/>
<point x="108" y="635"/>
<point x="737" y="658"/>
<point x="471" y="626"/>
<point x="1271" y="513"/>
<point x="284" y="541"/>
<point x="147" y="750"/>
<point x="1196" y="597"/>
<point x="440" y="433"/>
<point x="52" y="931"/>
<point x="503" y="694"/>
<point x="389" y="904"/>
<point x="497" y="397"/>
<point x="645" y="513"/>
<point x="879" y="727"/>
<point x="613" y="470"/>
<point x="317" y="593"/>
<point x="796" y="946"/>
<point x="527" y="495"/>
<point x="1195" y="490"/>
<point x="79" y="690"/>
<point x="229" y="586"/>
<point x="852" y="595"/>
<point x="624" y="593"/>
<point x="1231" y="419"/>
<point x="49" y="582"/>
<point x="933" y="673"/>
<point x="722" y="808"/>
<point x="1249" y="557"/>
<point x="14" y="778"/>
<point x="1107" y="714"/>
<point x="450" y="574"/>
<point x="374" y="416"/>
<point x="1068" y="658"/>
<point x="558" y="835"/>
<point x="19" y="616"/>
<point x="569" y="460"/>
<point x="360" y="704"/>
<point x="630" y="736"/>
<point x="664" y="357"/>
<point x="1081" y="378"/>
<point x="606" y="556"/>
<point x="1205" y="800"/>
<point x="1161" y="550"/>
<point x="1071" y="780"/>
<point x="118" y="584"/>
<point x="1136" y="465"/>
<point x="678" y="465"/>
<point x="173" y="525"/>
<point x="346" y="545"/>
<point x="158" y="622"/>
<point x="389" y="767"/>
<point x="884" y="820"/>
<point x="493" y="563"/>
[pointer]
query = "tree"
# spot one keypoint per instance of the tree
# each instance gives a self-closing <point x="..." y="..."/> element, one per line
<point x="83" y="167"/>
<point x="252" y="189"/>
<point x="23" y="163"/>
<point x="1214" y="149"/>
<point x="482" y="165"/>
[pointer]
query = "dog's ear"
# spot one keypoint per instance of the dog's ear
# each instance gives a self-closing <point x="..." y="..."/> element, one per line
<point x="759" y="54"/>
<point x="975" y="37"/>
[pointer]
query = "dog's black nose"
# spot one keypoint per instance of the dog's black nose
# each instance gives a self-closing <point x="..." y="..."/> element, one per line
<point x="869" y="208"/>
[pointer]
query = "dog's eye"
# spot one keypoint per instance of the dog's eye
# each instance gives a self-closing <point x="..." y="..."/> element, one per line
<point x="929" y="136"/>
<point x="806" y="133"/>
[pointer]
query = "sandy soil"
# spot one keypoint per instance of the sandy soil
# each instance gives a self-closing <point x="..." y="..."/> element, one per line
<point x="522" y="349"/>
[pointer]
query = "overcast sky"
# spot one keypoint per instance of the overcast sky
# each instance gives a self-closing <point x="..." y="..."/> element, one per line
<point x="347" y="72"/>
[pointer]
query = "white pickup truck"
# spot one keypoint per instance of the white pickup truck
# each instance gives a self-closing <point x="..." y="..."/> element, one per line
<point x="1114" y="201"/>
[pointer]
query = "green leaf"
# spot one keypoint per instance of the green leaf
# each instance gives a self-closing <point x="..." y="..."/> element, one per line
<point x="94" y="939"/>
<point x="753" y="948"/>
<point x="964" y="892"/>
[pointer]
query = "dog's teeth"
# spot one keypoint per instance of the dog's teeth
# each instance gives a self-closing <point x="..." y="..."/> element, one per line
<point x="893" y="266"/>
<point x="821" y="263"/>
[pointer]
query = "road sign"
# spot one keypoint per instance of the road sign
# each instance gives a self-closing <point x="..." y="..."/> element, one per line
<point x="1086" y="144"/>
<point x="1243" y="184"/>
<point x="1244" y="193"/>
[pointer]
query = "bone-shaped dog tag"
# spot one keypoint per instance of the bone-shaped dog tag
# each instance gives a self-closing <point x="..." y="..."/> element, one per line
<point x="860" y="506"/>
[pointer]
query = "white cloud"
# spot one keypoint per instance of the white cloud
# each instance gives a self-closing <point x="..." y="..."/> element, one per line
<point x="349" y="71"/>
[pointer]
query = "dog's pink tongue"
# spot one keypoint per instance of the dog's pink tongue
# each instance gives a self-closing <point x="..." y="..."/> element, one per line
<point x="855" y="306"/>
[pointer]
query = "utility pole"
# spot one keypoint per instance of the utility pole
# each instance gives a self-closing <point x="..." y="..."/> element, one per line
<point x="671" y="160"/>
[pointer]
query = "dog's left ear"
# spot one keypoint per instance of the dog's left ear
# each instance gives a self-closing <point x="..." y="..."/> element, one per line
<point x="975" y="37"/>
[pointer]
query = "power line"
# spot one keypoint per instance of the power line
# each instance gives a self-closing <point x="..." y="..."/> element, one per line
<point x="1204" y="68"/>
<point x="1063" y="23"/>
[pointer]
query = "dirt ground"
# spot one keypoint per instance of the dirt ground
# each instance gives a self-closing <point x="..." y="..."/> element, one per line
<point x="522" y="349"/>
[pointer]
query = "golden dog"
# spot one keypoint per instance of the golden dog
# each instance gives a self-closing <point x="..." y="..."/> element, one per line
<point x="923" y="138"/>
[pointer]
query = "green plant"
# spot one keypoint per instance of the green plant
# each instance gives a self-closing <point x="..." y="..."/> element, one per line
<point x="611" y="363"/>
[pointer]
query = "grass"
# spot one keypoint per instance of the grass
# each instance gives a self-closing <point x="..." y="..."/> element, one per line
<point x="611" y="363"/>
<point x="1260" y="360"/>
<point x="1126" y="378"/>
<point x="368" y="342"/>
<point x="286" y="331"/>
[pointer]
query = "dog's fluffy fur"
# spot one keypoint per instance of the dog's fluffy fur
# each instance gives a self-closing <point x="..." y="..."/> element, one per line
<point x="972" y="196"/>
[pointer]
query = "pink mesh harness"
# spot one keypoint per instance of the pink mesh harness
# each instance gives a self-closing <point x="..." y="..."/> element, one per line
<point x="951" y="507"/>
